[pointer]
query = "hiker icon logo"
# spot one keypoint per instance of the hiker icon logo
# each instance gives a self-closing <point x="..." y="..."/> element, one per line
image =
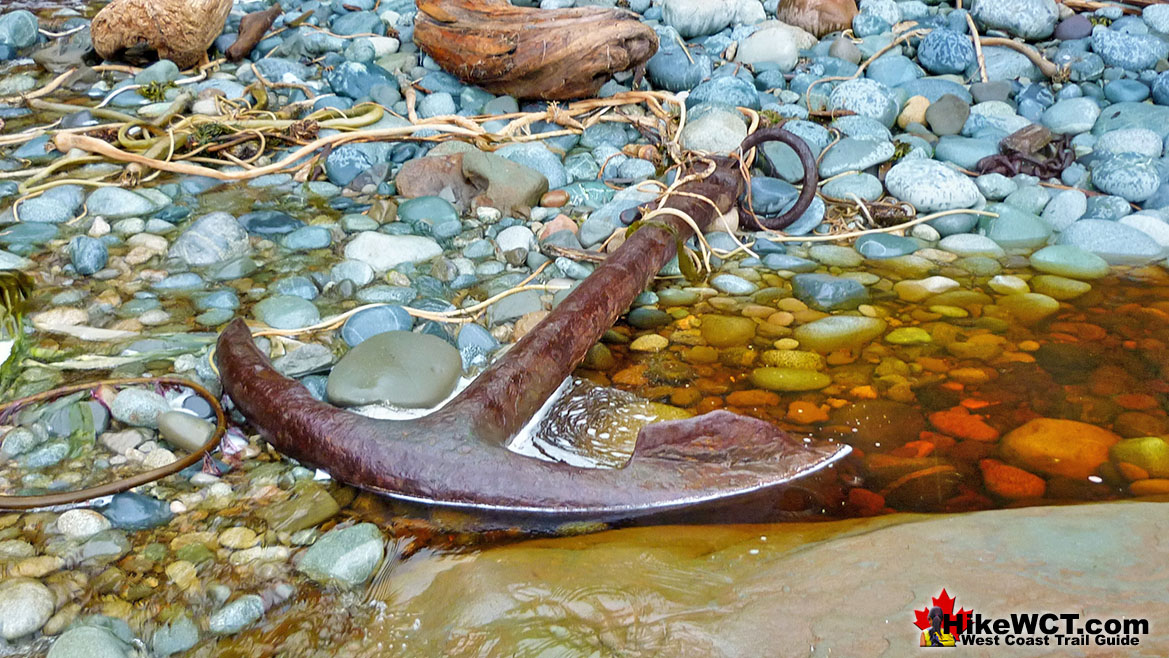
<point x="939" y="625"/>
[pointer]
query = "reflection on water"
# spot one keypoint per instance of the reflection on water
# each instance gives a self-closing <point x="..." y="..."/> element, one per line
<point x="589" y="426"/>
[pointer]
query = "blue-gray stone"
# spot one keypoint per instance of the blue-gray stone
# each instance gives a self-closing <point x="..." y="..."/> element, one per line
<point x="1065" y="207"/>
<point x="1107" y="207"/>
<point x="217" y="299"/>
<point x="672" y="70"/>
<point x="358" y="22"/>
<point x="177" y="636"/>
<point x="1128" y="175"/>
<point x="784" y="159"/>
<point x="268" y="223"/>
<point x="306" y="238"/>
<point x="865" y="186"/>
<point x="211" y="239"/>
<point x="116" y="203"/>
<point x="1140" y="141"/>
<point x="769" y="196"/>
<point x="355" y="80"/>
<point x="436" y="104"/>
<point x="824" y="292"/>
<point x="87" y="254"/>
<point x="237" y="615"/>
<point x="850" y="154"/>
<point x="646" y="317"/>
<point x="1005" y="64"/>
<point x="134" y="511"/>
<point x="1117" y="243"/>
<point x="344" y="556"/>
<point x="778" y="262"/>
<point x="300" y="286"/>
<point x="160" y="72"/>
<point x="535" y="155"/>
<point x="995" y="187"/>
<point x="934" y="88"/>
<point x="867" y="25"/>
<point x="733" y="285"/>
<point x="1030" y="19"/>
<point x="374" y="321"/>
<point x="475" y="345"/>
<point x="867" y="98"/>
<point x="18" y="29"/>
<point x="964" y="151"/>
<point x="893" y="70"/>
<point x="286" y="312"/>
<point x="1126" y="91"/>
<point x="882" y="245"/>
<point x="931" y="186"/>
<point x="725" y="89"/>
<point x="1134" y="52"/>
<point x="1016" y="229"/>
<point x="945" y="51"/>
<point x="1071" y="116"/>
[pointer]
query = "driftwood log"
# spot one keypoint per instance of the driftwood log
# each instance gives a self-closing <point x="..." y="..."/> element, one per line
<point x="178" y="30"/>
<point x="819" y="17"/>
<point x="457" y="457"/>
<point x="550" y="54"/>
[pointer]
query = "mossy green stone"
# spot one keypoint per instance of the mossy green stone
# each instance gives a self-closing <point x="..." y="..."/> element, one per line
<point x="1070" y="261"/>
<point x="789" y="379"/>
<point x="908" y="336"/>
<point x="677" y="297"/>
<point x="838" y="331"/>
<point x="1059" y="287"/>
<point x="1030" y="307"/>
<point x="1148" y="452"/>
<point x="727" y="330"/>
<point x="797" y="359"/>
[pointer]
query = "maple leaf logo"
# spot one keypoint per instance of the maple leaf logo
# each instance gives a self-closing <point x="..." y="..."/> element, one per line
<point x="946" y="603"/>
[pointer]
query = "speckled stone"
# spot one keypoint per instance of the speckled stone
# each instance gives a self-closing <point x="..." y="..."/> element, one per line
<point x="931" y="186"/>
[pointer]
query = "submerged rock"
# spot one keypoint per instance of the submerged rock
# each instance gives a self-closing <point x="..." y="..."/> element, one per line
<point x="346" y="556"/>
<point x="1055" y="446"/>
<point x="399" y="368"/>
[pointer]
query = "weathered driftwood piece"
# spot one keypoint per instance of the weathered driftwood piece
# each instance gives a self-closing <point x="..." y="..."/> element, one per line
<point x="817" y="16"/>
<point x="252" y="29"/>
<point x="178" y="30"/>
<point x="456" y="456"/>
<point x="551" y="54"/>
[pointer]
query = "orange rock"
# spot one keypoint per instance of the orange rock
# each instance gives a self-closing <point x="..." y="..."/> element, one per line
<point x="1136" y="401"/>
<point x="959" y="422"/>
<point x="866" y="502"/>
<point x="864" y="393"/>
<point x="941" y="441"/>
<point x="709" y="404"/>
<point x="1009" y="482"/>
<point x="559" y="223"/>
<point x="753" y="398"/>
<point x="805" y="413"/>
<point x="684" y="397"/>
<point x="1054" y="446"/>
<point x="1132" y="472"/>
<point x="1150" y="487"/>
<point x="914" y="449"/>
<point x="631" y="376"/>
<point x="554" y="199"/>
